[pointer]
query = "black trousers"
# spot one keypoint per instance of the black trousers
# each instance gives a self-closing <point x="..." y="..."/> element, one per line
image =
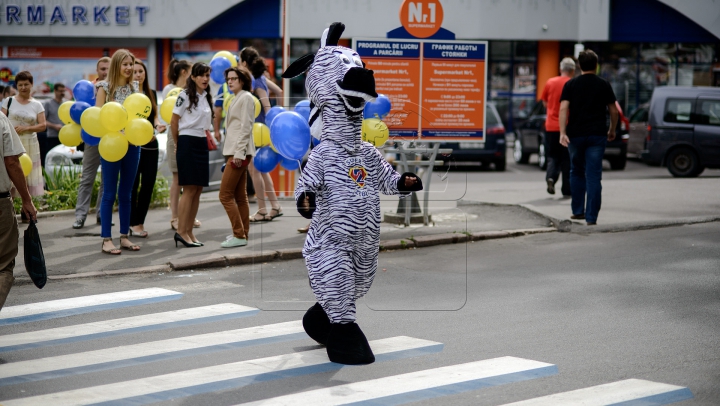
<point x="145" y="181"/>
<point x="558" y="160"/>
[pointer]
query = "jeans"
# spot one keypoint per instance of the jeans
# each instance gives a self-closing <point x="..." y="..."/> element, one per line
<point x="145" y="181"/>
<point x="586" y="155"/>
<point x="558" y="159"/>
<point x="125" y="168"/>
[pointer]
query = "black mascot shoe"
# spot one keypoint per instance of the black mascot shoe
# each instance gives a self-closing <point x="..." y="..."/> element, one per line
<point x="346" y="344"/>
<point x="317" y="324"/>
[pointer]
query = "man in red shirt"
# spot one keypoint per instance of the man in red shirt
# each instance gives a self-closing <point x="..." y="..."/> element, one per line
<point x="558" y="158"/>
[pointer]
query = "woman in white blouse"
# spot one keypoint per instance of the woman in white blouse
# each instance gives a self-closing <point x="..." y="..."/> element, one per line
<point x="27" y="115"/>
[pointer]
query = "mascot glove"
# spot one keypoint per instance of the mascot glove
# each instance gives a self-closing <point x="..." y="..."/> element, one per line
<point x="414" y="188"/>
<point x="307" y="213"/>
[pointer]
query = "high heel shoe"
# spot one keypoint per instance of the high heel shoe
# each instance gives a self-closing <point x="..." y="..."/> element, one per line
<point x="185" y="243"/>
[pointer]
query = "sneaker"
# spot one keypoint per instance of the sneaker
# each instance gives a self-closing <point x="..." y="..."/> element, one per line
<point x="234" y="242"/>
<point x="550" y="186"/>
<point x="591" y="224"/>
<point x="578" y="216"/>
<point x="78" y="224"/>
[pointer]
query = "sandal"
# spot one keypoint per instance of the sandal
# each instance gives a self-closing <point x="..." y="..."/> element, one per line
<point x="197" y="223"/>
<point x="174" y="223"/>
<point x="278" y="211"/>
<point x="112" y="251"/>
<point x="264" y="217"/>
<point x="141" y="234"/>
<point x="131" y="247"/>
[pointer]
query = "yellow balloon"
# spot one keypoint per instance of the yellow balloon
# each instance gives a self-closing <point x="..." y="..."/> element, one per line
<point x="69" y="135"/>
<point x="375" y="131"/>
<point x="261" y="134"/>
<point x="26" y="164"/>
<point x="113" y="147"/>
<point x="64" y="112"/>
<point x="137" y="105"/>
<point x="166" y="110"/>
<point x="139" y="131"/>
<point x="257" y="107"/>
<point x="174" y="92"/>
<point x="229" y="55"/>
<point x="113" y="116"/>
<point x="91" y="123"/>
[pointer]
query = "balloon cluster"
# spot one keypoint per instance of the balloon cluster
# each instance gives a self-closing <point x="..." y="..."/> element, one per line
<point x="221" y="61"/>
<point x="102" y="126"/>
<point x="285" y="141"/>
<point x="374" y="130"/>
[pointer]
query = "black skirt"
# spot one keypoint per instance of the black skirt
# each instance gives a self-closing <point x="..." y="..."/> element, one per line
<point x="193" y="159"/>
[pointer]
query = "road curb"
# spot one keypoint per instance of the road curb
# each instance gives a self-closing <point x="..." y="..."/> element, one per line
<point x="296" y="253"/>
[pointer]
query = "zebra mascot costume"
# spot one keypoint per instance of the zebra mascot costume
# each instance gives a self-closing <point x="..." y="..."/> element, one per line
<point x="339" y="189"/>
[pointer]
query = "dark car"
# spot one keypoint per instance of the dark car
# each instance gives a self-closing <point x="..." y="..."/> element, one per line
<point x="684" y="129"/>
<point x="490" y="151"/>
<point x="530" y="139"/>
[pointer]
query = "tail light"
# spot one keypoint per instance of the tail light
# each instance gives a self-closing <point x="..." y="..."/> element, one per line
<point x="500" y="130"/>
<point x="622" y="126"/>
<point x="625" y="138"/>
<point x="648" y="133"/>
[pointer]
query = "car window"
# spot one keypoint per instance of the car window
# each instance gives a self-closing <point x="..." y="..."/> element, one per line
<point x="538" y="110"/>
<point x="678" y="111"/>
<point x="640" y="115"/>
<point x="490" y="117"/>
<point x="709" y="112"/>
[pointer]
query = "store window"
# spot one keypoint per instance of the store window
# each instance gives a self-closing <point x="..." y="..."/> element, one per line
<point x="512" y="79"/>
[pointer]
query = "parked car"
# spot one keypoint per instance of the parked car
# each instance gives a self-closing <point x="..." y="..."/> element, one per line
<point x="684" y="129"/>
<point x="637" y="130"/>
<point x="491" y="150"/>
<point x="530" y="139"/>
<point x="70" y="158"/>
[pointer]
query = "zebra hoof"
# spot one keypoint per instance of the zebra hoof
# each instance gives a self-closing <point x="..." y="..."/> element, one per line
<point x="317" y="324"/>
<point x="346" y="344"/>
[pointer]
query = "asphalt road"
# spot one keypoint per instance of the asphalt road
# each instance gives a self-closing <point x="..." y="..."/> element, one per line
<point x="601" y="307"/>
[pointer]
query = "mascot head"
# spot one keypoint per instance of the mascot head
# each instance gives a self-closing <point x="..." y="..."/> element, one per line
<point x="338" y="86"/>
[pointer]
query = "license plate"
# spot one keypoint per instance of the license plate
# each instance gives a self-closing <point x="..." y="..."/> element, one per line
<point x="472" y="145"/>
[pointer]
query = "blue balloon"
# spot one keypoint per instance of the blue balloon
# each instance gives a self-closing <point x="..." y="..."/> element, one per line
<point x="84" y="91"/>
<point x="303" y="108"/>
<point x="290" y="134"/>
<point x="218" y="66"/>
<point x="289" y="164"/>
<point x="270" y="116"/>
<point x="316" y="141"/>
<point x="265" y="159"/>
<point x="77" y="109"/>
<point x="89" y="139"/>
<point x="380" y="107"/>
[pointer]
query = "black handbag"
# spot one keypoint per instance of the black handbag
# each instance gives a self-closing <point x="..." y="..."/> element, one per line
<point x="34" y="258"/>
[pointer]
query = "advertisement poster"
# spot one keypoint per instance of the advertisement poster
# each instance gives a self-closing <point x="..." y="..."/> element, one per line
<point x="437" y="88"/>
<point x="48" y="72"/>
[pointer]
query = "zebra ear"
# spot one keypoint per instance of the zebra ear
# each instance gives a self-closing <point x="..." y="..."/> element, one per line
<point x="336" y="30"/>
<point x="299" y="67"/>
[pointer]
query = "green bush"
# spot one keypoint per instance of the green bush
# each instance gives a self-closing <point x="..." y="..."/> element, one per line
<point x="62" y="188"/>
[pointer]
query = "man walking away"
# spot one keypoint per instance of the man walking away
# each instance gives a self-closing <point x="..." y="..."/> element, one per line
<point x="54" y="124"/>
<point x="91" y="162"/>
<point x="10" y="173"/>
<point x="558" y="156"/>
<point x="589" y="99"/>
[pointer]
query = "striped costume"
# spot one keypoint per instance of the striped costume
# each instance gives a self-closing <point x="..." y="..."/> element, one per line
<point x="342" y="180"/>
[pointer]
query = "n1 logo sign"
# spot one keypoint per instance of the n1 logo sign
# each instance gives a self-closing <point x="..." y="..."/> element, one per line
<point x="422" y="19"/>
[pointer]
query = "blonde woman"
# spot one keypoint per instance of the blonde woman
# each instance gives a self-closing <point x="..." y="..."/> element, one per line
<point x="238" y="151"/>
<point x="118" y="86"/>
<point x="27" y="115"/>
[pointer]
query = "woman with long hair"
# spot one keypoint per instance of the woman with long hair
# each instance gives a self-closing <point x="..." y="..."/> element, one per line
<point x="190" y="125"/>
<point x="148" y="166"/>
<point x="27" y="115"/>
<point x="178" y="74"/>
<point x="238" y="151"/>
<point x="118" y="86"/>
<point x="264" y="187"/>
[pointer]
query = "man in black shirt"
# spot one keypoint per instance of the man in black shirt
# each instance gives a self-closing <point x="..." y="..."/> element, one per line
<point x="589" y="98"/>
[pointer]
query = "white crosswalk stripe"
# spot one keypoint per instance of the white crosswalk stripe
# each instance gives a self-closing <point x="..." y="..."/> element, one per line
<point x="106" y="328"/>
<point x="84" y="362"/>
<point x="420" y="385"/>
<point x="638" y="391"/>
<point x="84" y="304"/>
<point x="218" y="377"/>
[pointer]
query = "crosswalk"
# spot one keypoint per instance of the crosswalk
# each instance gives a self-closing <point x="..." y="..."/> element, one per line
<point x="411" y="386"/>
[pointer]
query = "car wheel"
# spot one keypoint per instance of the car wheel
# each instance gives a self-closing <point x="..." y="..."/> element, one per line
<point x="500" y="164"/>
<point x="684" y="163"/>
<point x="542" y="157"/>
<point x="518" y="155"/>
<point x="618" y="164"/>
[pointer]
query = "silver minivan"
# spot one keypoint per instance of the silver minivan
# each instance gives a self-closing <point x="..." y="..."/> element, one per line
<point x="684" y="129"/>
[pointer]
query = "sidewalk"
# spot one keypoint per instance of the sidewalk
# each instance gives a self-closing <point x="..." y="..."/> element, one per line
<point x="71" y="253"/>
